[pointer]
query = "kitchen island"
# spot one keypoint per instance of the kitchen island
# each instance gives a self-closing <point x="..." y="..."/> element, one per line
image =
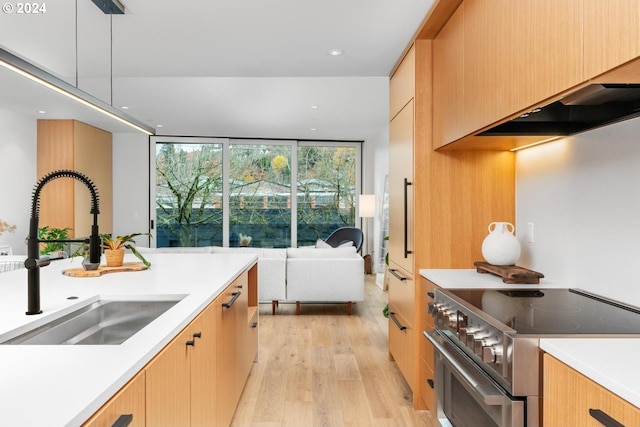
<point x="63" y="385"/>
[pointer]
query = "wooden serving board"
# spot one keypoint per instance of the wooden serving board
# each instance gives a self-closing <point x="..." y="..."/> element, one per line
<point x="511" y="274"/>
<point x="103" y="269"/>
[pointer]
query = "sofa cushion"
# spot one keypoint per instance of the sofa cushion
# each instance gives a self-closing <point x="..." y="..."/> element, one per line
<point x="345" y="252"/>
<point x="261" y="252"/>
<point x="321" y="244"/>
<point x="176" y="250"/>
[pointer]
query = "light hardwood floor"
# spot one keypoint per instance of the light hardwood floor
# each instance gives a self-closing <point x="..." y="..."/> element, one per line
<point x="324" y="368"/>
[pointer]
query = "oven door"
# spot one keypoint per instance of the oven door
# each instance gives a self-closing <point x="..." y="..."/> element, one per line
<point x="465" y="395"/>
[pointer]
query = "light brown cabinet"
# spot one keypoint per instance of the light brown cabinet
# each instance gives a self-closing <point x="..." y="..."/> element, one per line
<point x="452" y="198"/>
<point x="611" y="36"/>
<point x="236" y="323"/>
<point x="69" y="144"/>
<point x="401" y="188"/>
<point x="196" y="380"/>
<point x="181" y="380"/>
<point x="494" y="61"/>
<point x="448" y="90"/>
<point x="570" y="399"/>
<point x="402" y="85"/>
<point x="129" y="401"/>
<point x="402" y="337"/>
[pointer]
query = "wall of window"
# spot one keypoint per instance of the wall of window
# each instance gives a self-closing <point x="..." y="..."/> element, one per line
<point x="260" y="193"/>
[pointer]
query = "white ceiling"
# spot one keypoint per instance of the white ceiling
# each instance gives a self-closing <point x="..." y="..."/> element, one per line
<point x="245" y="68"/>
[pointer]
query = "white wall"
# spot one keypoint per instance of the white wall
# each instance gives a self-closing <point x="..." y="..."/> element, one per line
<point x="18" y="143"/>
<point x="583" y="196"/>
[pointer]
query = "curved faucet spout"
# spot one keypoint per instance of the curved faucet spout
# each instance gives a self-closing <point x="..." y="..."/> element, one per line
<point x="33" y="262"/>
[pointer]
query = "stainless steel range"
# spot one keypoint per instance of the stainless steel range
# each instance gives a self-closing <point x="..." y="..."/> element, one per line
<point x="487" y="348"/>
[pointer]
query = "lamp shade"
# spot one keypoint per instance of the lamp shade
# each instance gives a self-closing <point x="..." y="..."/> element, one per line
<point x="367" y="205"/>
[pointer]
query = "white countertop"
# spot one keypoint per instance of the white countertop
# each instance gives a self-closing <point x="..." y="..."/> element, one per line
<point x="64" y="385"/>
<point x="609" y="362"/>
<point x="471" y="279"/>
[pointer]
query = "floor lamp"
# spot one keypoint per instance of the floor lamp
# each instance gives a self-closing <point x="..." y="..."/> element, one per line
<point x="366" y="209"/>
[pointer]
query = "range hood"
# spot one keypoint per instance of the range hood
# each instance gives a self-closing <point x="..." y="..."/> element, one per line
<point x="590" y="107"/>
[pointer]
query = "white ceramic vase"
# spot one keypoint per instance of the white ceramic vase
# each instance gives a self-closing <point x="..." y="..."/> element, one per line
<point x="501" y="247"/>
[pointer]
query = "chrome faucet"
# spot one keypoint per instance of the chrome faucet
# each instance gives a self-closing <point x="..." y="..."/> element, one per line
<point x="33" y="261"/>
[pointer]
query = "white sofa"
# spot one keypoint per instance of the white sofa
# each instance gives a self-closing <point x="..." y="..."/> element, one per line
<point x="323" y="275"/>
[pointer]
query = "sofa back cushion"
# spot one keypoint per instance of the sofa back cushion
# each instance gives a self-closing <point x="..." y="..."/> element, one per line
<point x="176" y="250"/>
<point x="261" y="252"/>
<point x="344" y="252"/>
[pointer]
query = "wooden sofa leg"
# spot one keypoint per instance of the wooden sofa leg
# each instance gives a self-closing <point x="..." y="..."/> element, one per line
<point x="274" y="304"/>
<point x="349" y="308"/>
<point x="297" y="307"/>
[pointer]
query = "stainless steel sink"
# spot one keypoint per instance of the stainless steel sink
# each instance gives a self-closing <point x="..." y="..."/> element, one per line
<point x="104" y="322"/>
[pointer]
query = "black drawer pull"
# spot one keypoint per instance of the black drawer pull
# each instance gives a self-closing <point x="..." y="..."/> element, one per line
<point x="392" y="315"/>
<point x="396" y="275"/>
<point x="604" y="419"/>
<point x="431" y="383"/>
<point x="431" y="295"/>
<point x="236" y="295"/>
<point x="192" y="343"/>
<point x="123" y="420"/>
<point x="254" y="325"/>
<point x="197" y="335"/>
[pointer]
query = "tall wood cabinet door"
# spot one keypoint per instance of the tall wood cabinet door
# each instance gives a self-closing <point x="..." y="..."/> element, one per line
<point x="401" y="188"/>
<point x="448" y="82"/>
<point x="130" y="400"/>
<point x="69" y="144"/>
<point x="168" y="382"/>
<point x="203" y="369"/>
<point x="569" y="396"/>
<point x="611" y="34"/>
<point x="227" y="389"/>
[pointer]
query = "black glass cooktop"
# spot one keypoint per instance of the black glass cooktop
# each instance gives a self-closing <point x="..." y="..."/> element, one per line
<point x="554" y="311"/>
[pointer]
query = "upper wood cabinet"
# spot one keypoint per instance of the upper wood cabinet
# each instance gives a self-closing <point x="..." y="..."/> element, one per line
<point x="612" y="34"/>
<point x="69" y="144"/>
<point x="495" y="60"/>
<point x="402" y="84"/>
<point x="448" y="71"/>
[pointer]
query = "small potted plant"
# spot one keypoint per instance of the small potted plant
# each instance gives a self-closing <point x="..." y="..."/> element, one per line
<point x="114" y="248"/>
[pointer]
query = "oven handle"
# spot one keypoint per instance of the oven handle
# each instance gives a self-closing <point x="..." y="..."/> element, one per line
<point x="491" y="399"/>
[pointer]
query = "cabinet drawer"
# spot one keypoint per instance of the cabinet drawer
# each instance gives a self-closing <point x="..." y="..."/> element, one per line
<point x="426" y="386"/>
<point x="401" y="343"/>
<point x="402" y="292"/>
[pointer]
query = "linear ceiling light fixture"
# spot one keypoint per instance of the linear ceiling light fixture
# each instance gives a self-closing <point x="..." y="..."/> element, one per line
<point x="30" y="71"/>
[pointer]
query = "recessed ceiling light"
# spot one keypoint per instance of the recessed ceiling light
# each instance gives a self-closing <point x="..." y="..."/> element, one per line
<point x="125" y="107"/>
<point x="313" y="129"/>
<point x="335" y="52"/>
<point x="159" y="126"/>
<point x="314" y="107"/>
<point x="41" y="111"/>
